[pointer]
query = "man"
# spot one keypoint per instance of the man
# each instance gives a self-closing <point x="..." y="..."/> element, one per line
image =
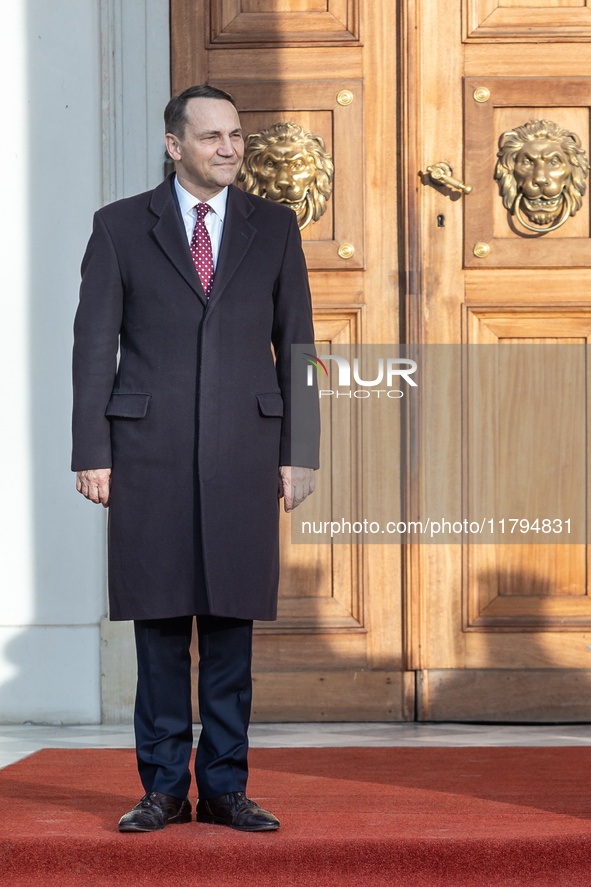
<point x="188" y="441"/>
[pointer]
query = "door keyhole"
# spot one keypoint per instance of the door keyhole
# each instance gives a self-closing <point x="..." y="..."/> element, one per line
<point x="441" y="221"/>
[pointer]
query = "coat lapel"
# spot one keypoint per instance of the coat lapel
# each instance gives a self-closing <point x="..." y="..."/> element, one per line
<point x="237" y="237"/>
<point x="169" y="233"/>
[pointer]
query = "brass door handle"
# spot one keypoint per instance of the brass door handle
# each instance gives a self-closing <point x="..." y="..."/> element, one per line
<point x="440" y="173"/>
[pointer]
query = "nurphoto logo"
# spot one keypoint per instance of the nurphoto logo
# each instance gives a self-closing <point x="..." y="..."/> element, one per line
<point x="400" y="367"/>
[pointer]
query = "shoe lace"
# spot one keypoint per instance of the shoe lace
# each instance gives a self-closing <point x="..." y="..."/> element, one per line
<point x="242" y="801"/>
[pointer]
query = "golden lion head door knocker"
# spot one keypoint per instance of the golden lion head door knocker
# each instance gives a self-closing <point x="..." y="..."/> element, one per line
<point x="541" y="173"/>
<point x="289" y="165"/>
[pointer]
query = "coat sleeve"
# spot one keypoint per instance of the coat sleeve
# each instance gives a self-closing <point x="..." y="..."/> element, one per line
<point x="293" y="326"/>
<point x="96" y="340"/>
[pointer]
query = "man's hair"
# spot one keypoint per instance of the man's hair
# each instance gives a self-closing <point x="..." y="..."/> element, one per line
<point x="175" y="113"/>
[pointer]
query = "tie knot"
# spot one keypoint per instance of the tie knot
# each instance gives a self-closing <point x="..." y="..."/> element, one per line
<point x="202" y="209"/>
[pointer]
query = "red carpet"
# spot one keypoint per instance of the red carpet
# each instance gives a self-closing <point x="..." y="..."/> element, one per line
<point x="364" y="817"/>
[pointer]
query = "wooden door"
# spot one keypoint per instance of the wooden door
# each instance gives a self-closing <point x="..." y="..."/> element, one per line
<point x="498" y="632"/>
<point x="460" y="632"/>
<point x="336" y="651"/>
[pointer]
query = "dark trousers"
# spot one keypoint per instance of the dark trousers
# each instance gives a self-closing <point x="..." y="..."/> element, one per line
<point x="163" y="718"/>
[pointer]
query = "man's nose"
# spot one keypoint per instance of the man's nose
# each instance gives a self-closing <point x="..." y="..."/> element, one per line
<point x="226" y="148"/>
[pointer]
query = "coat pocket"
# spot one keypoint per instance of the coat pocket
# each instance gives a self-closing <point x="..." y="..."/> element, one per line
<point x="128" y="406"/>
<point x="270" y="403"/>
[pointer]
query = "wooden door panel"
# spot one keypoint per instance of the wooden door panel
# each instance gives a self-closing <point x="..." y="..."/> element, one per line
<point x="513" y="102"/>
<point x="499" y="287"/>
<point x="341" y="126"/>
<point x="524" y="587"/>
<point x="318" y="122"/>
<point x="321" y="587"/>
<point x="283" y="22"/>
<point x="532" y="695"/>
<point x="332" y="694"/>
<point x="526" y="20"/>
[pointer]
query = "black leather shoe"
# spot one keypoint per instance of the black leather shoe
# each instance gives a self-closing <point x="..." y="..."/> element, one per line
<point x="236" y="811"/>
<point x="154" y="812"/>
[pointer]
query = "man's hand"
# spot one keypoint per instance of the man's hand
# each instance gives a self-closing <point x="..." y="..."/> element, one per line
<point x="294" y="485"/>
<point x="94" y="484"/>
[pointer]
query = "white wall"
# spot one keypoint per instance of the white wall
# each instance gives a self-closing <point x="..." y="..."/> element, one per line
<point x="67" y="148"/>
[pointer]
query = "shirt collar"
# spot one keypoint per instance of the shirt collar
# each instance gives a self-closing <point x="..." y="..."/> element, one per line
<point x="187" y="201"/>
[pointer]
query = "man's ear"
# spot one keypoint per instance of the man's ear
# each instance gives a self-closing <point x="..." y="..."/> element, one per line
<point x="173" y="146"/>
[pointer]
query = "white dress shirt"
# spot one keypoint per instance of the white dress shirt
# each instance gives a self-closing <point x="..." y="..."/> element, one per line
<point x="214" y="221"/>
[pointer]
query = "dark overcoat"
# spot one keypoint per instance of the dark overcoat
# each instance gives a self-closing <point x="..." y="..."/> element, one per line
<point x="194" y="420"/>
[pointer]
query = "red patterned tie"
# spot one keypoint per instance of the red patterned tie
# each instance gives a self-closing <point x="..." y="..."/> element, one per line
<point x="201" y="248"/>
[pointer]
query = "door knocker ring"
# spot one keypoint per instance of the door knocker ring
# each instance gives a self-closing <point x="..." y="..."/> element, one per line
<point x="561" y="221"/>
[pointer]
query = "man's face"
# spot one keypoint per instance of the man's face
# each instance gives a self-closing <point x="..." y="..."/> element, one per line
<point x="210" y="153"/>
